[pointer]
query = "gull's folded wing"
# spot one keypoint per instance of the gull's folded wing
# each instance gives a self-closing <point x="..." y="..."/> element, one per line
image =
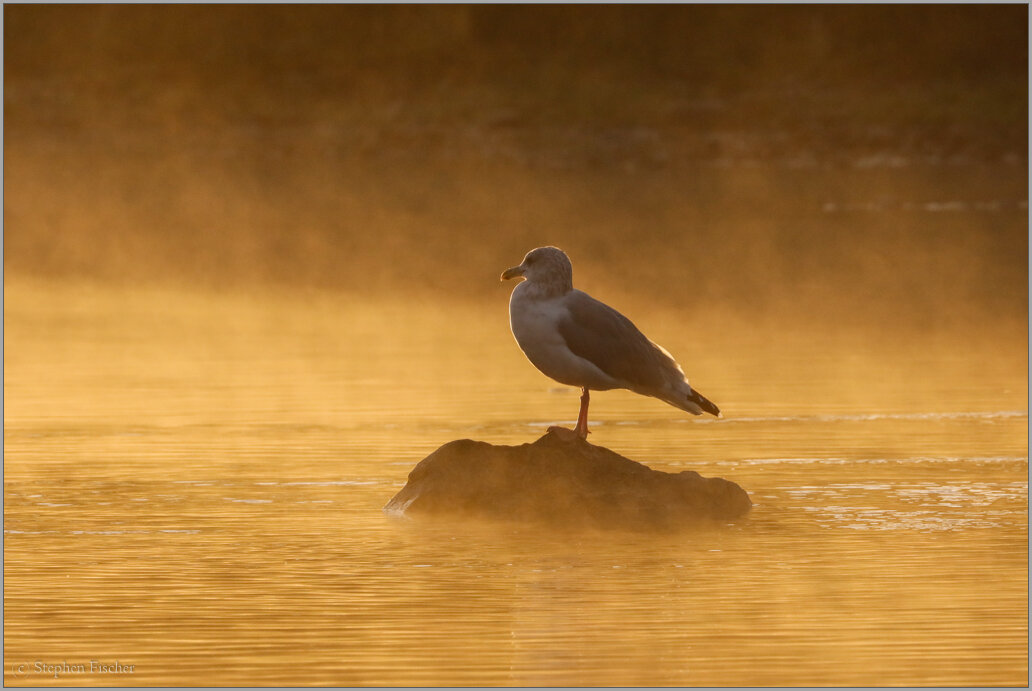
<point x="598" y="333"/>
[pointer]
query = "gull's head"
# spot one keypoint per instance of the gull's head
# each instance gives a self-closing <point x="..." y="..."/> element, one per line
<point x="548" y="267"/>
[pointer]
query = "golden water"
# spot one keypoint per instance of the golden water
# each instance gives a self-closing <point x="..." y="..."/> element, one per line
<point x="194" y="482"/>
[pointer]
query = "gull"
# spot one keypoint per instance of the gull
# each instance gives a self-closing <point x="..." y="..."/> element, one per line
<point x="578" y="341"/>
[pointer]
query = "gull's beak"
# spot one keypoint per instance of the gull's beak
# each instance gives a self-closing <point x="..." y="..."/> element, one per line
<point x="513" y="272"/>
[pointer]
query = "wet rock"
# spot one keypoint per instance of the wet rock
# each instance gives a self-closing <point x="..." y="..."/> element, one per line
<point x="562" y="480"/>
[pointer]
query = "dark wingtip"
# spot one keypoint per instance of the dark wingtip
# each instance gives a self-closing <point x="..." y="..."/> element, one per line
<point x="704" y="403"/>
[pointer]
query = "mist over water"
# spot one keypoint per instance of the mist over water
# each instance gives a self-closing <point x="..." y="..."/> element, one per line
<point x="251" y="263"/>
<point x="832" y="164"/>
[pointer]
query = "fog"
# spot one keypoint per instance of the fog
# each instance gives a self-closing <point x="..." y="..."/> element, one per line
<point x="252" y="259"/>
<point x="861" y="166"/>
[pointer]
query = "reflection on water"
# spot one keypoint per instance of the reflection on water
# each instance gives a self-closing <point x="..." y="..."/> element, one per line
<point x="193" y="486"/>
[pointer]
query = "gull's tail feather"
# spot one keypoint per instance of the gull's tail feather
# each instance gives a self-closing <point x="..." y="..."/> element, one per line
<point x="703" y="402"/>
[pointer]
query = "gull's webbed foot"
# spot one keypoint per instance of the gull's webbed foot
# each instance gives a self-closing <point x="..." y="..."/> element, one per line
<point x="567" y="434"/>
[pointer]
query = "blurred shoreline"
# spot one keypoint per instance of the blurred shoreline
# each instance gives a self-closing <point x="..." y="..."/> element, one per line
<point x="848" y="167"/>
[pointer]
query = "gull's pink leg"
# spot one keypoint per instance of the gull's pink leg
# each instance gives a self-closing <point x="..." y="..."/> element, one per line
<point x="582" y="418"/>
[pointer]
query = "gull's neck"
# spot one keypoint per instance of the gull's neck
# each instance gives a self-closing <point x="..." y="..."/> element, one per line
<point x="544" y="288"/>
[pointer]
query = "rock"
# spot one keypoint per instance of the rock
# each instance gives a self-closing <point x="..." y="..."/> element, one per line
<point x="561" y="480"/>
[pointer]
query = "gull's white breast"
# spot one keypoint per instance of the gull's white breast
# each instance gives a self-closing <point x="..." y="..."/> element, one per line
<point x="535" y="324"/>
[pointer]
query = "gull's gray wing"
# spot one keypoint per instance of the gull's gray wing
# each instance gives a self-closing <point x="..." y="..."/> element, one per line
<point x="598" y="333"/>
